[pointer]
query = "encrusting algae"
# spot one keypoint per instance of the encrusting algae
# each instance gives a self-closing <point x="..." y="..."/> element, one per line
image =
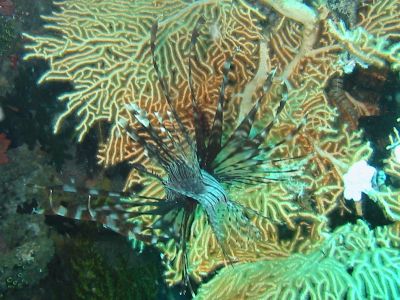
<point x="220" y="109"/>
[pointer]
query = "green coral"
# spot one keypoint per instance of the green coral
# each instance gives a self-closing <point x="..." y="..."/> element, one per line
<point x="350" y="264"/>
<point x="272" y="280"/>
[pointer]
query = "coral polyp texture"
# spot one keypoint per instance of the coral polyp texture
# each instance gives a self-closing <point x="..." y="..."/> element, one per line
<point x="105" y="52"/>
<point x="352" y="263"/>
<point x="103" y="48"/>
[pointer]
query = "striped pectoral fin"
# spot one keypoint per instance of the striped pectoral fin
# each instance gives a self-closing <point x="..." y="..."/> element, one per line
<point x="114" y="216"/>
<point x="240" y="140"/>
<point x="221" y="220"/>
<point x="63" y="204"/>
<point x="76" y="211"/>
<point x="288" y="137"/>
<point x="215" y="138"/>
<point x="99" y="205"/>
<point x="87" y="212"/>
<point x="251" y="157"/>
<point x="235" y="153"/>
<point x="198" y="119"/>
<point x="121" y="219"/>
<point x="237" y="229"/>
<point x="262" y="135"/>
<point x="183" y="130"/>
<point x="221" y="235"/>
<point x="242" y="132"/>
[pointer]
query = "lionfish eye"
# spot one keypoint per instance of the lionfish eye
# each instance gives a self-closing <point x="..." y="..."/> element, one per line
<point x="137" y="188"/>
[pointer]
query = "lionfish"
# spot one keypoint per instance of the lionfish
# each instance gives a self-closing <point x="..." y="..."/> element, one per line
<point x="198" y="167"/>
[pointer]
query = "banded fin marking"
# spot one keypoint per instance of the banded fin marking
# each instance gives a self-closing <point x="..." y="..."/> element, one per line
<point x="263" y="134"/>
<point x="141" y="116"/>
<point x="198" y="120"/>
<point x="243" y="148"/>
<point x="182" y="128"/>
<point x="215" y="139"/>
<point x="240" y="140"/>
<point x="113" y="215"/>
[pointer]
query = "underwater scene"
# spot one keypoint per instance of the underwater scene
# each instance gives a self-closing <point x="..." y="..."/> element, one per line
<point x="209" y="149"/>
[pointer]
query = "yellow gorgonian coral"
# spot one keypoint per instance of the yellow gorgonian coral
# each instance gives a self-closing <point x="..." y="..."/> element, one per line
<point x="104" y="48"/>
<point x="375" y="38"/>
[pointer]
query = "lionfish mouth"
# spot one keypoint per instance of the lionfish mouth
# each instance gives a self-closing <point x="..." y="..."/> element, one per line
<point x="197" y="166"/>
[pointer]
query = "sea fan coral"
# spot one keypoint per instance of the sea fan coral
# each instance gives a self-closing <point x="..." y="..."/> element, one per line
<point x="195" y="168"/>
<point x="350" y="264"/>
<point x="165" y="100"/>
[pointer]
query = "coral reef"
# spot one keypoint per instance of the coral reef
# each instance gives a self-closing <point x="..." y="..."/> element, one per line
<point x="345" y="10"/>
<point x="388" y="196"/>
<point x="104" y="51"/>
<point x="34" y="259"/>
<point x="351" y="264"/>
<point x="24" y="241"/>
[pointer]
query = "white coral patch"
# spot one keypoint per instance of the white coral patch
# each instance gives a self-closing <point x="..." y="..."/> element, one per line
<point x="357" y="180"/>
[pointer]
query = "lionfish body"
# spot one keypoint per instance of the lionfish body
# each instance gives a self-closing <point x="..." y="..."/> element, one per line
<point x="197" y="167"/>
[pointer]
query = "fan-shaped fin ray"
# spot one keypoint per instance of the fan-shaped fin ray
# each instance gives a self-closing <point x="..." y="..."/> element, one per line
<point x="263" y="134"/>
<point x="242" y="148"/>
<point x="115" y="212"/>
<point x="243" y="130"/>
<point x="142" y="118"/>
<point x="199" y="122"/>
<point x="215" y="139"/>
<point x="182" y="128"/>
<point x="150" y="150"/>
<point x="252" y="163"/>
<point x="240" y="140"/>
